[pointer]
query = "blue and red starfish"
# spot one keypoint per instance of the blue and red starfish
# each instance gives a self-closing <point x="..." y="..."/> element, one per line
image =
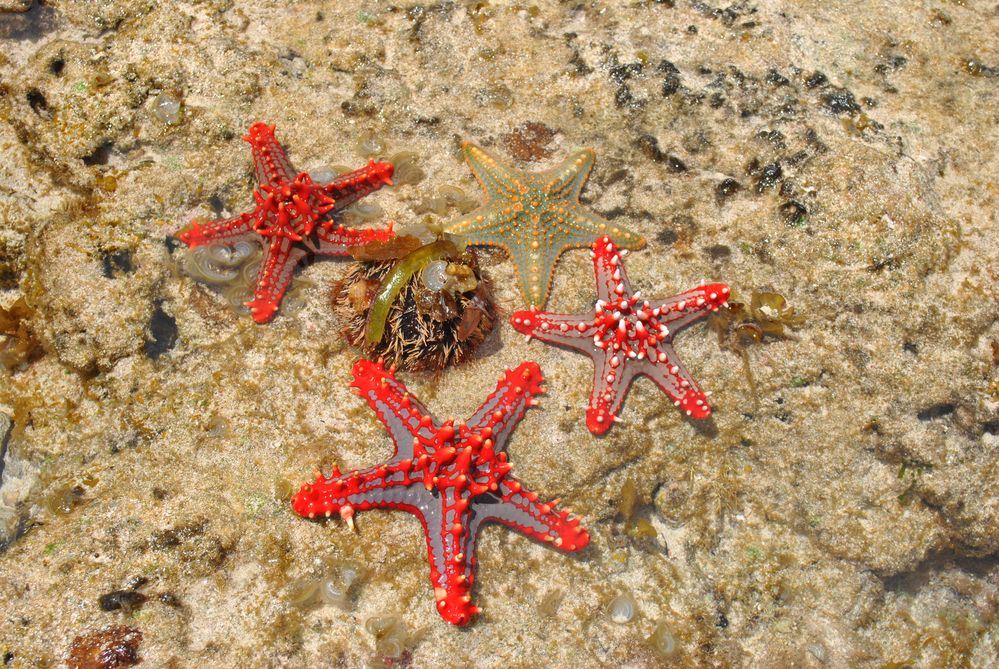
<point x="452" y="477"/>
<point x="294" y="214"/>
<point x="627" y="337"/>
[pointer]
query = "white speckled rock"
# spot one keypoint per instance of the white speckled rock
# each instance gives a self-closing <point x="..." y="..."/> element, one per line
<point x="839" y="154"/>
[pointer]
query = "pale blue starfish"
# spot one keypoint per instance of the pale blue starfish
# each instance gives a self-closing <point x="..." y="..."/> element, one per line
<point x="535" y="216"/>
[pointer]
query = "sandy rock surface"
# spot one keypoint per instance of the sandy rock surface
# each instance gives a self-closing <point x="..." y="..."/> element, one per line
<point x="839" y="509"/>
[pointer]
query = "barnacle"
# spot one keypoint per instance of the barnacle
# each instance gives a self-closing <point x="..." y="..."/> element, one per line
<point x="741" y="325"/>
<point x="419" y="301"/>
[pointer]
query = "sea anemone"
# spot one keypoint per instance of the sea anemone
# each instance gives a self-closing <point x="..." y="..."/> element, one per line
<point x="418" y="302"/>
<point x="623" y="608"/>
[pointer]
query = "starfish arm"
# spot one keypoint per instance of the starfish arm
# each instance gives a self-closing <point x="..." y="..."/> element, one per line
<point x="681" y="310"/>
<point x="280" y="259"/>
<point x="520" y="509"/>
<point x="385" y="486"/>
<point x="567" y="180"/>
<point x="534" y="267"/>
<point x="481" y="226"/>
<point x="405" y="417"/>
<point x="612" y="280"/>
<point x="225" y="231"/>
<point x="348" y="188"/>
<point x="588" y="227"/>
<point x="336" y="240"/>
<point x="568" y="330"/>
<point x="495" y="179"/>
<point x="669" y="374"/>
<point x="612" y="376"/>
<point x="452" y="530"/>
<point x="535" y="272"/>
<point x="505" y="407"/>
<point x="270" y="162"/>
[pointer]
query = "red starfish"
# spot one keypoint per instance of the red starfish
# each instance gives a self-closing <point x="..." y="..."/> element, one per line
<point x="627" y="337"/>
<point x="295" y="214"/>
<point x="453" y="478"/>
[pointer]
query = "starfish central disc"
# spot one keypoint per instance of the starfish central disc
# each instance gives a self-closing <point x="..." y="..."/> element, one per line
<point x="291" y="210"/>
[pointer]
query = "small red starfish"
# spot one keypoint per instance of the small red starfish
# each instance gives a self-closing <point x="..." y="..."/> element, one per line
<point x="295" y="214"/>
<point x="627" y="337"/>
<point x="453" y="478"/>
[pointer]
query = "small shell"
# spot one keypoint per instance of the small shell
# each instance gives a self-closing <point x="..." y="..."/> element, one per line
<point x="199" y="265"/>
<point x="166" y="109"/>
<point x="366" y="211"/>
<point x="456" y="198"/>
<point x="282" y="489"/>
<point x="323" y="175"/>
<point x="425" y="232"/>
<point x="250" y="271"/>
<point x="237" y="296"/>
<point x="391" y="646"/>
<point x="434" y="205"/>
<point x="623" y="608"/>
<point x="334" y="591"/>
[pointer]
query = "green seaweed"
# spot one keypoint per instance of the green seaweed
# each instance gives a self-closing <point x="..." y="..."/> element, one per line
<point x="399" y="277"/>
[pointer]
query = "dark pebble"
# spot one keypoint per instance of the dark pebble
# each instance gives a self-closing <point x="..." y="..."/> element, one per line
<point x="727" y="188"/>
<point x="649" y="146"/>
<point x="675" y="165"/>
<point x="163" y="332"/>
<point x="775" y="78"/>
<point x="671" y="84"/>
<point x="718" y="252"/>
<point x="769" y="177"/>
<point x="122" y="600"/>
<point x="793" y="212"/>
<point x="841" y="102"/>
<point x="117" y="262"/>
<point x="816" y="79"/>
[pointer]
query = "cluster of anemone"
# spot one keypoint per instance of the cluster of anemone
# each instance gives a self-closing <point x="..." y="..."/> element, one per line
<point x="336" y="585"/>
<point x="740" y="325"/>
<point x="233" y="269"/>
<point x="393" y="639"/>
